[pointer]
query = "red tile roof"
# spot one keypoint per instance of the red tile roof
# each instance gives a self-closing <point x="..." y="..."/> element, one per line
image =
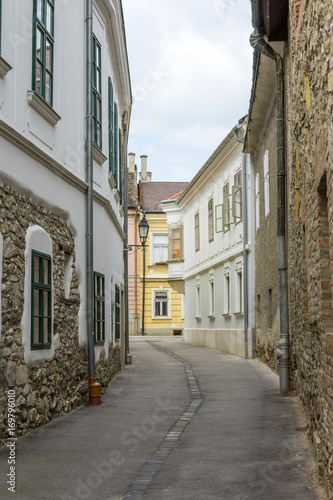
<point x="153" y="193"/>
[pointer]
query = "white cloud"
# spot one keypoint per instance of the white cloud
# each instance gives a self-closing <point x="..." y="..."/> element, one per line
<point x="190" y="63"/>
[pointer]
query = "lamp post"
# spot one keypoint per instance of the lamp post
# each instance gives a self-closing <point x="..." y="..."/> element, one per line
<point x="143" y="233"/>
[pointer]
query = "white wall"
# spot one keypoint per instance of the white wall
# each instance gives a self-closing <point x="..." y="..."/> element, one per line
<point x="47" y="162"/>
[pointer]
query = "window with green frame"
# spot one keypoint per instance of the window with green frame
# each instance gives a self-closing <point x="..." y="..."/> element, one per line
<point x="97" y="92"/>
<point x="99" y="308"/>
<point x="118" y="312"/>
<point x="43" y="46"/>
<point x="111" y="132"/>
<point x="115" y="138"/>
<point x="120" y="181"/>
<point x="41" y="301"/>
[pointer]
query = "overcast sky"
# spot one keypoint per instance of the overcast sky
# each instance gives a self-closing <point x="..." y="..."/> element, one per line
<point x="191" y="68"/>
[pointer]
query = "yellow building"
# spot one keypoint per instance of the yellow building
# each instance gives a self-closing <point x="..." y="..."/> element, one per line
<point x="164" y="314"/>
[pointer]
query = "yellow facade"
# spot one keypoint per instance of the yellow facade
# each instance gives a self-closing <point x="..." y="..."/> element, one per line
<point x="159" y="318"/>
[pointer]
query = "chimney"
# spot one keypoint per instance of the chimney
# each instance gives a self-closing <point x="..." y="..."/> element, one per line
<point x="143" y="168"/>
<point x="131" y="162"/>
<point x="148" y="176"/>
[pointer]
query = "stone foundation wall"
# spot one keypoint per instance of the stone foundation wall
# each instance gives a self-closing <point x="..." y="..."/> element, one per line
<point x="309" y="87"/>
<point x="50" y="388"/>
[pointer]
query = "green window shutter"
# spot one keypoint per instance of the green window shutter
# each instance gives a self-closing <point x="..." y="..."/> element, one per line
<point x="117" y="312"/>
<point x="97" y="92"/>
<point x="120" y="169"/>
<point x="41" y="300"/>
<point x="219" y="218"/>
<point x="237" y="203"/>
<point x="99" y="308"/>
<point x="226" y="213"/>
<point x="116" y="154"/>
<point x="43" y="48"/>
<point x="111" y="129"/>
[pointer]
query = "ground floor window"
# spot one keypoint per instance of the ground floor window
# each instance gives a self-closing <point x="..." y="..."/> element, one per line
<point x="41" y="301"/>
<point x="197" y="298"/>
<point x="118" y="313"/>
<point x="99" y="310"/>
<point x="161" y="303"/>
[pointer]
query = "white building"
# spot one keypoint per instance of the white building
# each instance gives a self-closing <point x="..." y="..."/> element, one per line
<point x="43" y="201"/>
<point x="206" y="251"/>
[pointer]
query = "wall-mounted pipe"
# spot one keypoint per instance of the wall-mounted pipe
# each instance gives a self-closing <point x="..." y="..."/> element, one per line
<point x="259" y="44"/>
<point x="128" y="356"/>
<point x="94" y="387"/>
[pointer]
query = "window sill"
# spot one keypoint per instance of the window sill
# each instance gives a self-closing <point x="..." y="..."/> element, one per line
<point x="226" y="315"/>
<point x="211" y="316"/>
<point x="40" y="347"/>
<point x="198" y="318"/>
<point x="116" y="195"/>
<point x="98" y="155"/>
<point x="239" y="313"/>
<point x="37" y="103"/>
<point x="102" y="342"/>
<point x="174" y="261"/>
<point x="112" y="180"/>
<point x="4" y="67"/>
<point x="161" y="317"/>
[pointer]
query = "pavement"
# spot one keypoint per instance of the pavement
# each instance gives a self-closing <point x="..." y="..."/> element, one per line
<point x="181" y="422"/>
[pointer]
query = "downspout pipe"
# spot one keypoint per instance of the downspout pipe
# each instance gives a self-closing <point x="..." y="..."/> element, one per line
<point x="258" y="43"/>
<point x="245" y="242"/>
<point x="128" y="356"/>
<point x="94" y="387"/>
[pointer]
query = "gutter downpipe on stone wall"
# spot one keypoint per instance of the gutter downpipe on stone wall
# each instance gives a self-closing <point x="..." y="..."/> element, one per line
<point x="258" y="43"/>
<point x="94" y="387"/>
<point x="245" y="243"/>
<point x="128" y="356"/>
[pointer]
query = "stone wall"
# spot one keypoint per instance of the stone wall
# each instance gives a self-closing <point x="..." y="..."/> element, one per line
<point x="50" y="388"/>
<point x="309" y="87"/>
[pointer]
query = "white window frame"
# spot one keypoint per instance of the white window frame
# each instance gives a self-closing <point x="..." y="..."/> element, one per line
<point x="39" y="240"/>
<point x="239" y="287"/>
<point x="237" y="205"/>
<point x="159" y="245"/>
<point x="161" y="290"/>
<point x="219" y="218"/>
<point x="197" y="231"/>
<point x="266" y="182"/>
<point x="226" y="207"/>
<point x="211" y="294"/>
<point x="210" y="221"/>
<point x="198" y="297"/>
<point x="227" y="292"/>
<point x="257" y="202"/>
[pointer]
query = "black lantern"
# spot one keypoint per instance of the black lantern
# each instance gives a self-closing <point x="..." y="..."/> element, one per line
<point x="143" y="229"/>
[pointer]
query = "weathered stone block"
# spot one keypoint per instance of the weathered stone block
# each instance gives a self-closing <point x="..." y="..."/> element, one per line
<point x="21" y="374"/>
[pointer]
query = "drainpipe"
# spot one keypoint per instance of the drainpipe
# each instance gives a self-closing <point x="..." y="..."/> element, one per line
<point x="245" y="243"/>
<point x="136" y="270"/>
<point x="94" y="387"/>
<point x="128" y="356"/>
<point x="258" y="43"/>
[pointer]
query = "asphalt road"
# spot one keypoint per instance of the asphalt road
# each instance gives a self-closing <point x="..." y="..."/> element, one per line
<point x="182" y="422"/>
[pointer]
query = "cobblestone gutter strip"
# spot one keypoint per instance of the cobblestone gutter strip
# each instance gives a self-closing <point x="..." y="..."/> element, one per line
<point x="142" y="481"/>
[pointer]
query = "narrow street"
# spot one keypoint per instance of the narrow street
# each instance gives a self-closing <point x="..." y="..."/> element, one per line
<point x="182" y="422"/>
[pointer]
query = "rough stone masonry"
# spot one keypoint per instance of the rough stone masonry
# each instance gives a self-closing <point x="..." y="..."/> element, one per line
<point x="50" y="388"/>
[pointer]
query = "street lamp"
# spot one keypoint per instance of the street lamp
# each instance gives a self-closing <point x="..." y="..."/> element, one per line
<point x="143" y="233"/>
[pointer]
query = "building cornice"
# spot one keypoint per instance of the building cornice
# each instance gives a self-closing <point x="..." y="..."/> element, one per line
<point x="31" y="149"/>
